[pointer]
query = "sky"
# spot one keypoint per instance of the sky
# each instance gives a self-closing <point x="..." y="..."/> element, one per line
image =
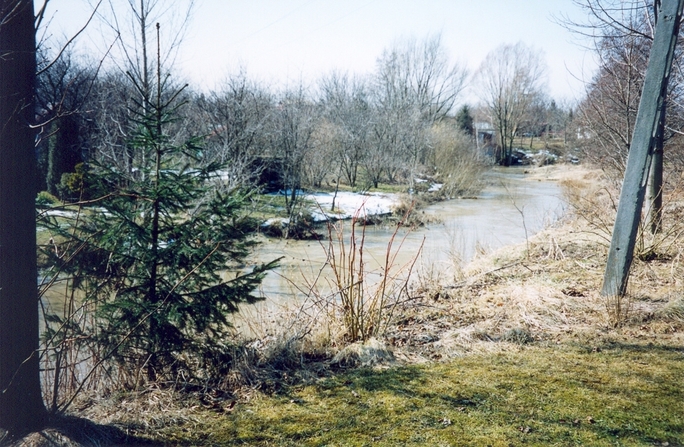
<point x="282" y="42"/>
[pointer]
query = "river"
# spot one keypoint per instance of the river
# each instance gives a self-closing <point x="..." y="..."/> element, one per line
<point x="512" y="207"/>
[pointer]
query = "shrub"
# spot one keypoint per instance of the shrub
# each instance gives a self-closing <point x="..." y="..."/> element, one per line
<point x="459" y="167"/>
<point x="45" y="200"/>
<point x="366" y="305"/>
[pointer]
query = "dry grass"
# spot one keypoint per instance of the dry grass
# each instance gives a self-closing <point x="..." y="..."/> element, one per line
<point x="545" y="291"/>
<point x="548" y="292"/>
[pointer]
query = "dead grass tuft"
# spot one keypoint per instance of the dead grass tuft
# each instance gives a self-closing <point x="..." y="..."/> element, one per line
<point x="372" y="352"/>
<point x="672" y="311"/>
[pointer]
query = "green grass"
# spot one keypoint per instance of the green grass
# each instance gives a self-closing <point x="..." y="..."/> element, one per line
<point x="622" y="395"/>
<point x="264" y="206"/>
<point x="390" y="188"/>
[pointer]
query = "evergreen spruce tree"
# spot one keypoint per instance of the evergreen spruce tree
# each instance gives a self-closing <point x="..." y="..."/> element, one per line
<point x="465" y="120"/>
<point x="153" y="250"/>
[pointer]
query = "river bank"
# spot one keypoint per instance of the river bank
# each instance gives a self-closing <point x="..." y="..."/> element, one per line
<point x="543" y="289"/>
<point x="519" y="347"/>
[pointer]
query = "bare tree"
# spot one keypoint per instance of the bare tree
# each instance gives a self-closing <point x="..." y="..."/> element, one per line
<point x="536" y="120"/>
<point x="109" y="106"/>
<point x="346" y="105"/>
<point x="379" y="157"/>
<point x="21" y="405"/>
<point x="509" y="81"/>
<point x="322" y="159"/>
<point x="610" y="107"/>
<point x="419" y="73"/>
<point x="560" y="115"/>
<point x="131" y="27"/>
<point x="235" y="118"/>
<point x="292" y="126"/>
<point x="623" y="33"/>
<point x="415" y="86"/>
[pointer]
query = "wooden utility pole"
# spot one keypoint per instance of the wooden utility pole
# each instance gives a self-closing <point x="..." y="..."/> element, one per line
<point x="641" y="149"/>
<point x="655" y="180"/>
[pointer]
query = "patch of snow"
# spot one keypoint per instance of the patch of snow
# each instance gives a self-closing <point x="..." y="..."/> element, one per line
<point x="349" y="203"/>
<point x="61" y="213"/>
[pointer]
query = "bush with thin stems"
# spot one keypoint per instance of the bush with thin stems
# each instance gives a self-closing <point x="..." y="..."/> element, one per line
<point x="364" y="297"/>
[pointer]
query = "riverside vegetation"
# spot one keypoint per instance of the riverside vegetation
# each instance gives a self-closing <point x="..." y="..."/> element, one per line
<point x="520" y="349"/>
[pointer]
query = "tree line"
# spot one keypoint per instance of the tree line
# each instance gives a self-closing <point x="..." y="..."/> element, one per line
<point x="621" y="33"/>
<point x="360" y="130"/>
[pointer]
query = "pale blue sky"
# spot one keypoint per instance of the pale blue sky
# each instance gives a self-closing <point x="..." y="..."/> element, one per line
<point x="281" y="41"/>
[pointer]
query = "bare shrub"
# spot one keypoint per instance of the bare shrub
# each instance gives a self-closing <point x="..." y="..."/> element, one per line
<point x="70" y="362"/>
<point x="618" y="309"/>
<point x="363" y="298"/>
<point x="593" y="202"/>
<point x="459" y="166"/>
<point x="593" y="199"/>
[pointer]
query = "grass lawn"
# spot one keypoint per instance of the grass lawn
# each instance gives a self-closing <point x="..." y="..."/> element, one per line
<point x="613" y="395"/>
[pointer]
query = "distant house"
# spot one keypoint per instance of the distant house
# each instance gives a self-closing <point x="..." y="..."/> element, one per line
<point x="485" y="138"/>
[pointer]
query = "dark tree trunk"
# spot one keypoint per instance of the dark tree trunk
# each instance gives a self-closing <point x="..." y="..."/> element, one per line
<point x="21" y="405"/>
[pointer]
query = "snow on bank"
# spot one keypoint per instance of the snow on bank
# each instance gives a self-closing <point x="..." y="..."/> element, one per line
<point x="347" y="204"/>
